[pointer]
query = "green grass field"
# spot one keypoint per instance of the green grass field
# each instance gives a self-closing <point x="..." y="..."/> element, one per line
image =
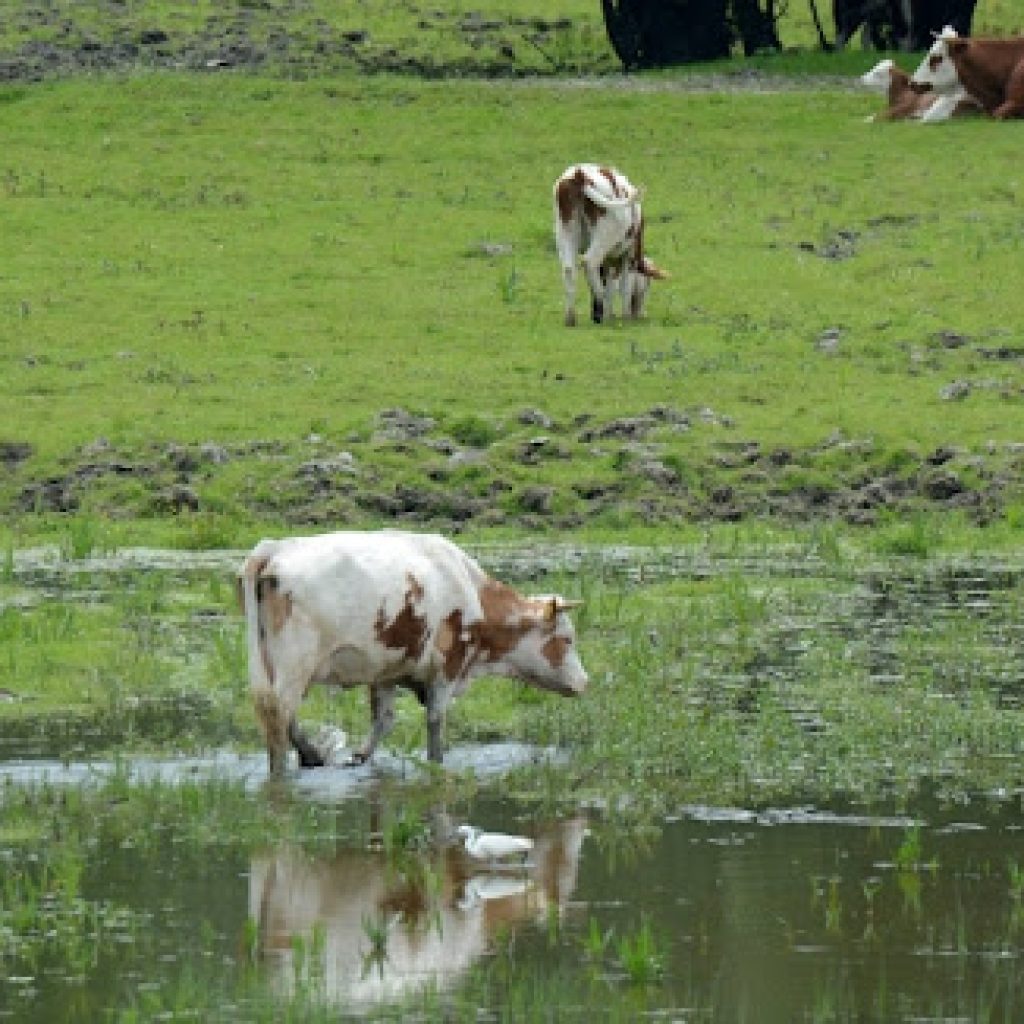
<point x="267" y="265"/>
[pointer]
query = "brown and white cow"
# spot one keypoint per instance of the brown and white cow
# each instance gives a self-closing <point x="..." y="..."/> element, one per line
<point x="597" y="213"/>
<point x="388" y="609"/>
<point x="905" y="102"/>
<point x="990" y="70"/>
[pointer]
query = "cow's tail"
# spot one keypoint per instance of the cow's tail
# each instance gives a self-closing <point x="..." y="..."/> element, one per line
<point x="607" y="202"/>
<point x="270" y="714"/>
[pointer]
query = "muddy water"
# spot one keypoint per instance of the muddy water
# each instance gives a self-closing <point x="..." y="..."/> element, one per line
<point x="786" y="914"/>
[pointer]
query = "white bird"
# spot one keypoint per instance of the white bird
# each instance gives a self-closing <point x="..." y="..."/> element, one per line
<point x="493" y="846"/>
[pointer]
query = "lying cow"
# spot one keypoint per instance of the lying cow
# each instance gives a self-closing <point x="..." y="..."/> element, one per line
<point x="990" y="70"/>
<point x="384" y="610"/>
<point x="906" y="102"/>
<point x="597" y="213"/>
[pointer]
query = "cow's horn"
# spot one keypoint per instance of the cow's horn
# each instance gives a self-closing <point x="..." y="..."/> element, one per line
<point x="563" y="605"/>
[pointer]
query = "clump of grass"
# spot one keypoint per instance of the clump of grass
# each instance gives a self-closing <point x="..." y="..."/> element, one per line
<point x="404" y="834"/>
<point x="597" y="941"/>
<point x="84" y="536"/>
<point x="916" y="537"/>
<point x="376" y="930"/>
<point x="474" y="431"/>
<point x="642" y="955"/>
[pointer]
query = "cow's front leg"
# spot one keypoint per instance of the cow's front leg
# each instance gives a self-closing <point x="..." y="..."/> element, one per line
<point x="309" y="756"/>
<point x="437" y="702"/>
<point x="569" y="282"/>
<point x="626" y="290"/>
<point x="382" y="711"/>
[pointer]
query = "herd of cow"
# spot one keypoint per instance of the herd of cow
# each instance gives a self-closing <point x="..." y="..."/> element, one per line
<point x="958" y="76"/>
<point x="389" y="609"/>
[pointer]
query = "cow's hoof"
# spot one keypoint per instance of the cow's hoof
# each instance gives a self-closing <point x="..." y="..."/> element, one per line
<point x="597" y="312"/>
<point x="570" y="319"/>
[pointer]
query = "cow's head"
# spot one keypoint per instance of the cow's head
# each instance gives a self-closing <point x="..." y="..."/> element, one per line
<point x="879" y="77"/>
<point x="545" y="655"/>
<point x="646" y="272"/>
<point x="937" y="71"/>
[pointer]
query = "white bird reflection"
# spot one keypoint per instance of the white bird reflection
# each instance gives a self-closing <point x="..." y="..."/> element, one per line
<point x="370" y="933"/>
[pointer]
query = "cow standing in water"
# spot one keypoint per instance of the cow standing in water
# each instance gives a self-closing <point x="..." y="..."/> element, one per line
<point x="388" y="609"/>
<point x="597" y="213"/>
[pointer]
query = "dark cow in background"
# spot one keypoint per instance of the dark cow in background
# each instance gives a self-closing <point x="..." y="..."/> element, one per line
<point x="899" y="24"/>
<point x="388" y="609"/>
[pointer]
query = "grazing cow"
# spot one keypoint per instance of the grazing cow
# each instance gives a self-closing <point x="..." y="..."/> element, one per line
<point x="597" y="213"/>
<point x="906" y="102"/>
<point x="389" y="609"/>
<point x="990" y="70"/>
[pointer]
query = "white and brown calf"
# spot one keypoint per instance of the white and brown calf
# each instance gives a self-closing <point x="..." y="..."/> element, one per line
<point x="905" y="102"/>
<point x="388" y="609"/>
<point x="991" y="71"/>
<point x="598" y="215"/>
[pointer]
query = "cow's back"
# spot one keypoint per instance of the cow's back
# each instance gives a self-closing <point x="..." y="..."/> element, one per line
<point x="351" y="586"/>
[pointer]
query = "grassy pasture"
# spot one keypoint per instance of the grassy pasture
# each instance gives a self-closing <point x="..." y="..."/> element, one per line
<point x="234" y="260"/>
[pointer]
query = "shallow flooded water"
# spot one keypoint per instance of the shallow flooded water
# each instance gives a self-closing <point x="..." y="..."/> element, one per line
<point x="167" y="888"/>
<point x="784" y="914"/>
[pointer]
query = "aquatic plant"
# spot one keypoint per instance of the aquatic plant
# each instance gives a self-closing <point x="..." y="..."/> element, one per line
<point x="405" y="833"/>
<point x="641" y="954"/>
<point x="376" y="930"/>
<point x="596" y="941"/>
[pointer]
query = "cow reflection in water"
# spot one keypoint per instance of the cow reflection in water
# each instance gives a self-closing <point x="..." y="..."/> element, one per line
<point x="376" y="931"/>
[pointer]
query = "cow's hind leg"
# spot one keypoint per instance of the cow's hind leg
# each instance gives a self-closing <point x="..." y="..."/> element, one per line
<point x="382" y="709"/>
<point x="1013" y="101"/>
<point x="274" y="724"/>
<point x="598" y="285"/>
